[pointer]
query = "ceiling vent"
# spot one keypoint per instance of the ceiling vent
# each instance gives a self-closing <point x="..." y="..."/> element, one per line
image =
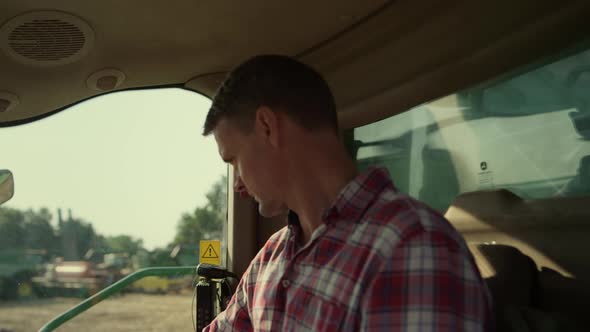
<point x="46" y="38"/>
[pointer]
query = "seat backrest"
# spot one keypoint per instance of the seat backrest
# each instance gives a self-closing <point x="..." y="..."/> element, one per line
<point x="525" y="236"/>
<point x="511" y="277"/>
<point x="553" y="232"/>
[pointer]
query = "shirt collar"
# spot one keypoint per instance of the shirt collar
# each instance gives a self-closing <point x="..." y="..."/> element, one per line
<point x="354" y="198"/>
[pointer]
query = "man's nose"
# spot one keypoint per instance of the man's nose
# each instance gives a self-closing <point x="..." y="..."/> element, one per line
<point x="239" y="186"/>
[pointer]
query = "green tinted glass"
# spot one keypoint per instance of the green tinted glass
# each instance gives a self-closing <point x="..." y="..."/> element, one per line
<point x="529" y="134"/>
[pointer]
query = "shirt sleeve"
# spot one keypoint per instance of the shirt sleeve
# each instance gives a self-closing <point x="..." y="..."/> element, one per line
<point x="235" y="317"/>
<point x="428" y="283"/>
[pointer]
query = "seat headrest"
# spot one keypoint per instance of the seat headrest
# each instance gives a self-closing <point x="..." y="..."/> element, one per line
<point x="510" y="274"/>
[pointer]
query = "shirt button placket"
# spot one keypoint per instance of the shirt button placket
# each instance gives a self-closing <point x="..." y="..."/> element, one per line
<point x="290" y="257"/>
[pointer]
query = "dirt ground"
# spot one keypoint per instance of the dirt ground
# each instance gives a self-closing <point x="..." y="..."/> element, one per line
<point x="129" y="312"/>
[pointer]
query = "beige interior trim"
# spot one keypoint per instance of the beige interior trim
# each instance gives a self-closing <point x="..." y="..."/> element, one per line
<point x="159" y="43"/>
<point x="542" y="36"/>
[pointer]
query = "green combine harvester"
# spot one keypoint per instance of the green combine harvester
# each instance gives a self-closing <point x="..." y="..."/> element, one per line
<point x="17" y="269"/>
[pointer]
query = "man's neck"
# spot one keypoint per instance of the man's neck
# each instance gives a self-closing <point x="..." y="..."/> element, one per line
<point x="315" y="183"/>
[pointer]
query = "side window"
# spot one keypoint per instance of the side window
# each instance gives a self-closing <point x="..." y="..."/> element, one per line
<point x="117" y="183"/>
<point x="529" y="134"/>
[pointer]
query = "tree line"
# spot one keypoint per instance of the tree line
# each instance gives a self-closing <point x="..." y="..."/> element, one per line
<point x="76" y="239"/>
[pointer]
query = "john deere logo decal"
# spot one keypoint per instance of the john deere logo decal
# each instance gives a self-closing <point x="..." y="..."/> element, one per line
<point x="483" y="165"/>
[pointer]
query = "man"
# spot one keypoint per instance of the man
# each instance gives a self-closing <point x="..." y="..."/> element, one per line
<point x="356" y="254"/>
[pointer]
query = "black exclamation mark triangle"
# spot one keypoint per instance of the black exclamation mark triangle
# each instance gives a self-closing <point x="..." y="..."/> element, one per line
<point x="210" y="252"/>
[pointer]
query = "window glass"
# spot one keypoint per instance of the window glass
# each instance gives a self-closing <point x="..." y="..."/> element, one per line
<point x="112" y="185"/>
<point x="529" y="134"/>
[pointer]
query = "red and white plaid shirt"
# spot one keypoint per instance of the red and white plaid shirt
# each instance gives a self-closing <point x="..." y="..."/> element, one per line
<point x="380" y="261"/>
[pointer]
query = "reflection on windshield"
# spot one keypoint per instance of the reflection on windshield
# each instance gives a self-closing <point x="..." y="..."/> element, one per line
<point x="526" y="134"/>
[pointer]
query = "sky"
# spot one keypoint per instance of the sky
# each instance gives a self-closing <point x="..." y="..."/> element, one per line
<point x="129" y="162"/>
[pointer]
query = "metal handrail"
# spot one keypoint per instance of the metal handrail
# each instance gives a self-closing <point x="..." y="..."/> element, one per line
<point x="113" y="289"/>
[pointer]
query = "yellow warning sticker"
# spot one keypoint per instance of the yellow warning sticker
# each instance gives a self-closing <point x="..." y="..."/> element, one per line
<point x="210" y="252"/>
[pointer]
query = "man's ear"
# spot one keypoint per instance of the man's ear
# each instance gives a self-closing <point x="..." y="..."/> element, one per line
<point x="267" y="124"/>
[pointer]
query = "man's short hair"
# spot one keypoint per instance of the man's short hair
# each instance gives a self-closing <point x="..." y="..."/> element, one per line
<point x="280" y="83"/>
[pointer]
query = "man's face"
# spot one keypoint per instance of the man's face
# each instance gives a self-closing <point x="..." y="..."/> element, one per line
<point x="257" y="172"/>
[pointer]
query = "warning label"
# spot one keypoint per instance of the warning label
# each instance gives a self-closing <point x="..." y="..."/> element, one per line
<point x="210" y="252"/>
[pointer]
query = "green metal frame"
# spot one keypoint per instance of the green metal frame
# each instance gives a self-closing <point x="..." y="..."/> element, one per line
<point x="115" y="288"/>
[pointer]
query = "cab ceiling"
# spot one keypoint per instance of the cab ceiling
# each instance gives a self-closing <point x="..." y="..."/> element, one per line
<point x="380" y="57"/>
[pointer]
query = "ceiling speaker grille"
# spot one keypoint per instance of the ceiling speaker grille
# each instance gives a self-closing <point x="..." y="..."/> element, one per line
<point x="46" y="38"/>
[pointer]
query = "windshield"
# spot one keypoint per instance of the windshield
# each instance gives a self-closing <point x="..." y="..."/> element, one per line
<point x="112" y="185"/>
<point x="529" y="133"/>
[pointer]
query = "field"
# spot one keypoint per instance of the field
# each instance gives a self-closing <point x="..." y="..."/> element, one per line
<point x="129" y="312"/>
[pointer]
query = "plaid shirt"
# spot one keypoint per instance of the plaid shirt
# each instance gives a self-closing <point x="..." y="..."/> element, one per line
<point x="380" y="261"/>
